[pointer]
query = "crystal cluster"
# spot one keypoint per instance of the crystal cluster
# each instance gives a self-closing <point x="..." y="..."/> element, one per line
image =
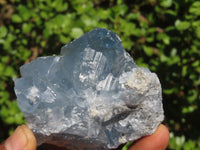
<point x="92" y="96"/>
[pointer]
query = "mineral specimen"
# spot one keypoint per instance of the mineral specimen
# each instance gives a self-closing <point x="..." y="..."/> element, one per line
<point x="93" y="96"/>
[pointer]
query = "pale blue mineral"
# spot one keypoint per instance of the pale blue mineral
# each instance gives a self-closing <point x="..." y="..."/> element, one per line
<point x="92" y="96"/>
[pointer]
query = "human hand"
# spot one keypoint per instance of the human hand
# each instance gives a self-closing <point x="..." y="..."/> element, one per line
<point x="157" y="141"/>
<point x="23" y="139"/>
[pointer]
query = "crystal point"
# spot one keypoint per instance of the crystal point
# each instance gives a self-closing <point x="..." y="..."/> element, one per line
<point x="93" y="96"/>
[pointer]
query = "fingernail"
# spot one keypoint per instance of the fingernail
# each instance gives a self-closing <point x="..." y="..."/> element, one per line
<point x="17" y="141"/>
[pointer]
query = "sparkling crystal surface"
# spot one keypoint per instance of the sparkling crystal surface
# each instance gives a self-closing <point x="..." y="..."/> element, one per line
<point x="92" y="96"/>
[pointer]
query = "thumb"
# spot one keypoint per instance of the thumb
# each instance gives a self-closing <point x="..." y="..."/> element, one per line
<point x="21" y="139"/>
<point x="157" y="141"/>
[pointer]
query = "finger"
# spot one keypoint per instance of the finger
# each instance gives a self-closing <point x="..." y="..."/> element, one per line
<point x="157" y="141"/>
<point x="21" y="139"/>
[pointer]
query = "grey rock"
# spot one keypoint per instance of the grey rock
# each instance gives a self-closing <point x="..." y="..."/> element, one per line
<point x="92" y="96"/>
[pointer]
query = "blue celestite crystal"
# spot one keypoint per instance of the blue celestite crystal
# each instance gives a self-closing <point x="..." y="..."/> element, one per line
<point x="93" y="96"/>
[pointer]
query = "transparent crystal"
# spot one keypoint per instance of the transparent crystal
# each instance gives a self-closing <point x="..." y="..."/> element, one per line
<point x="93" y="96"/>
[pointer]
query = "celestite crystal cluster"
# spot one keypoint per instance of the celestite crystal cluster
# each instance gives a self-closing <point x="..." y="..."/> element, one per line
<point x="92" y="96"/>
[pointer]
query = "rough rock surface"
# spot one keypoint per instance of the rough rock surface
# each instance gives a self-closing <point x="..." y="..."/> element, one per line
<point x="93" y="96"/>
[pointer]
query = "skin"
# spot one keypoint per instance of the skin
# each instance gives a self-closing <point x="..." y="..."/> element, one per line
<point x="157" y="141"/>
<point x="23" y="139"/>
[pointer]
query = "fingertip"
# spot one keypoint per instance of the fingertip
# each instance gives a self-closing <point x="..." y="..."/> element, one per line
<point x="21" y="139"/>
<point x="163" y="134"/>
<point x="31" y="141"/>
<point x="157" y="141"/>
